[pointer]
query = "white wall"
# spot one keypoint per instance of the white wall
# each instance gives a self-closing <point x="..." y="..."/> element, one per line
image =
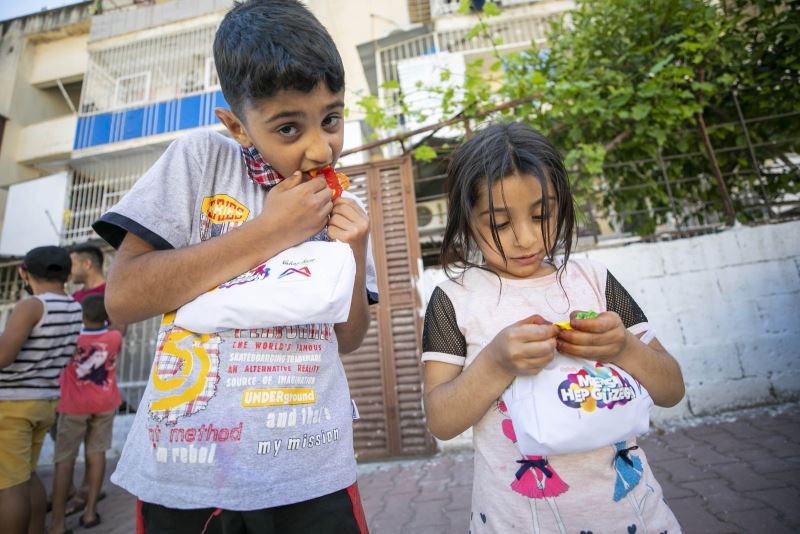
<point x="34" y="214"/>
<point x="62" y="59"/>
<point x="355" y="22"/>
<point x="726" y="305"/>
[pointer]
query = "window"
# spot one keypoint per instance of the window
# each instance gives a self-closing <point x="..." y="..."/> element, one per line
<point x="132" y="89"/>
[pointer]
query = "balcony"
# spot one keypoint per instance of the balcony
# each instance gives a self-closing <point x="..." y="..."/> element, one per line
<point x="63" y="60"/>
<point x="96" y="184"/>
<point x="514" y="30"/>
<point x="148" y="86"/>
<point x="149" y="120"/>
<point x="59" y="134"/>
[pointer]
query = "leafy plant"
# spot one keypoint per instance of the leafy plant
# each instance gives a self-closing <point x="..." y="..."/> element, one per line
<point x="646" y="99"/>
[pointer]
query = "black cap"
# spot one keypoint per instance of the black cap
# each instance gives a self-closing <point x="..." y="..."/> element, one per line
<point x="48" y="262"/>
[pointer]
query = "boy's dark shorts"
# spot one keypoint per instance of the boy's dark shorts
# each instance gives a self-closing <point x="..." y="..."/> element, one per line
<point x="94" y="431"/>
<point x="337" y="513"/>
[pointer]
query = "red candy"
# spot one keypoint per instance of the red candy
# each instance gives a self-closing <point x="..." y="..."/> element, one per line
<point x="337" y="181"/>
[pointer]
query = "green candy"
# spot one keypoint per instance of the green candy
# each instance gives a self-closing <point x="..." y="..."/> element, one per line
<point x="586" y="315"/>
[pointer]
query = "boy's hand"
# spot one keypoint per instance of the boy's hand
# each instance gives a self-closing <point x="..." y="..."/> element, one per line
<point x="525" y="347"/>
<point x="349" y="224"/>
<point x="300" y="208"/>
<point x="601" y="339"/>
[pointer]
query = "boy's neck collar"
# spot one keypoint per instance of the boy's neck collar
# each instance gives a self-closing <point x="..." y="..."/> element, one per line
<point x="259" y="171"/>
<point x="38" y="289"/>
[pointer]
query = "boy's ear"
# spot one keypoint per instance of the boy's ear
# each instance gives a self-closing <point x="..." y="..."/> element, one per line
<point x="234" y="126"/>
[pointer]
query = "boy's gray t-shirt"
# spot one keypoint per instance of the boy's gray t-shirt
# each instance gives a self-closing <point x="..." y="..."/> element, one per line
<point x="242" y="419"/>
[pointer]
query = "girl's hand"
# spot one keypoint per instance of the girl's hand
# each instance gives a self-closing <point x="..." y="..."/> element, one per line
<point x="525" y="347"/>
<point x="601" y="339"/>
<point x="349" y="224"/>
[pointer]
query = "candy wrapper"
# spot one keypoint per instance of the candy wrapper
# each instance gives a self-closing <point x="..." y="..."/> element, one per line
<point x="337" y="181"/>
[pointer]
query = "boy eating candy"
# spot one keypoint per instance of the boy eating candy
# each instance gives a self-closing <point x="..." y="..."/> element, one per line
<point x="244" y="430"/>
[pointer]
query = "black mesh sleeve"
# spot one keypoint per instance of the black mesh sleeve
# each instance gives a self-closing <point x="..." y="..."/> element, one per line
<point x="620" y="301"/>
<point x="441" y="333"/>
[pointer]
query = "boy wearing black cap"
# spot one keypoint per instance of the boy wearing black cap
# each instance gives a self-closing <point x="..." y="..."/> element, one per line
<point x="39" y="340"/>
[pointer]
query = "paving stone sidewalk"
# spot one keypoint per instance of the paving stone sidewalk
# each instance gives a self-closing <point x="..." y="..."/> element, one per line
<point x="723" y="475"/>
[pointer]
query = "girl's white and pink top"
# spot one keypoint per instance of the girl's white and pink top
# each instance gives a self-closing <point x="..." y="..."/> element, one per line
<point x="607" y="490"/>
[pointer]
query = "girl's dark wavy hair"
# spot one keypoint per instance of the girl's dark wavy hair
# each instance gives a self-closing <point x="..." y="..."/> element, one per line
<point x="494" y="152"/>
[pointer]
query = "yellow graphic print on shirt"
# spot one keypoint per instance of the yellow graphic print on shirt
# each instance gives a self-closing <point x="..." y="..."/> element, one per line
<point x="220" y="214"/>
<point x="185" y="373"/>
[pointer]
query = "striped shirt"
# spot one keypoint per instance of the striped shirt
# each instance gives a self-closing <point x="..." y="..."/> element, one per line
<point x="49" y="347"/>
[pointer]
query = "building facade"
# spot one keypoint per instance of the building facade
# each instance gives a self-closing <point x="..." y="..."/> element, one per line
<point x="90" y="99"/>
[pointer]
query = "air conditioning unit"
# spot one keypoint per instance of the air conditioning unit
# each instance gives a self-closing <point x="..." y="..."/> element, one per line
<point x="431" y="216"/>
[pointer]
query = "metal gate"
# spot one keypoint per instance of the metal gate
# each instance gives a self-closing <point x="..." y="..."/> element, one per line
<point x="384" y="374"/>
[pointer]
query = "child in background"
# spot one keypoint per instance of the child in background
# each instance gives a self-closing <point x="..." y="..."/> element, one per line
<point x="510" y="201"/>
<point x="37" y="343"/>
<point x="89" y="398"/>
<point x="245" y="430"/>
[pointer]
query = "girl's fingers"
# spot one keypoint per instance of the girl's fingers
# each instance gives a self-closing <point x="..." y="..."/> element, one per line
<point x="587" y="351"/>
<point x="578" y="337"/>
<point x="537" y="332"/>
<point x="602" y="323"/>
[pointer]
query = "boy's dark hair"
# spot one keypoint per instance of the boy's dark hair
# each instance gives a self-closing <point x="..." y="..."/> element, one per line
<point x="94" y="308"/>
<point x="264" y="46"/>
<point x="91" y="252"/>
<point x="48" y="263"/>
<point x="494" y="152"/>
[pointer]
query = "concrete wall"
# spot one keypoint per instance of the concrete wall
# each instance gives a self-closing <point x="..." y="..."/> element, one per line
<point x="62" y="59"/>
<point x="360" y="21"/>
<point x="24" y="42"/>
<point x="726" y="305"/>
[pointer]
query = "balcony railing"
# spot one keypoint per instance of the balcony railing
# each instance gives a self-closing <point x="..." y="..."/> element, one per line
<point x="441" y="8"/>
<point x="159" y="68"/>
<point x="149" y="86"/>
<point x="95" y="186"/>
<point x="513" y="31"/>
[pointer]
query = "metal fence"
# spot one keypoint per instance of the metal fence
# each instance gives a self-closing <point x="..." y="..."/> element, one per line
<point x="133" y="362"/>
<point x="675" y="193"/>
<point x="441" y="8"/>
<point x="763" y="179"/>
<point x="96" y="185"/>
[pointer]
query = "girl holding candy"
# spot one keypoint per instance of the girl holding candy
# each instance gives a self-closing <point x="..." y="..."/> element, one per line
<point x="489" y="333"/>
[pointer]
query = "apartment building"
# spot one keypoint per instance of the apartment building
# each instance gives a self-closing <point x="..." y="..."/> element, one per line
<point x="43" y="58"/>
<point x="90" y="99"/>
<point x="412" y="61"/>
